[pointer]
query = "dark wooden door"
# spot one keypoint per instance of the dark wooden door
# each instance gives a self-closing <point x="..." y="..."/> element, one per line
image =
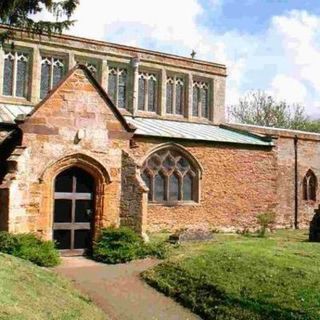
<point x="73" y="210"/>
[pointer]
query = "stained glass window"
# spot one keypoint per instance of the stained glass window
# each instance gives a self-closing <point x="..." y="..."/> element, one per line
<point x="175" y="95"/>
<point x="147" y="92"/>
<point x="179" y="96"/>
<point x="52" y="71"/>
<point x="159" y="186"/>
<point x="8" y="75"/>
<point x="117" y="86"/>
<point x="200" y="99"/>
<point x="152" y="91"/>
<point x="15" y="76"/>
<point x="169" y="176"/>
<point x="195" y="104"/>
<point x="122" y="89"/>
<point x="169" y="101"/>
<point x="173" y="188"/>
<point x="187" y="187"/>
<point x="112" y="85"/>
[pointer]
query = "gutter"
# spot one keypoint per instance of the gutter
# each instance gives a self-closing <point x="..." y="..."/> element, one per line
<point x="296" y="223"/>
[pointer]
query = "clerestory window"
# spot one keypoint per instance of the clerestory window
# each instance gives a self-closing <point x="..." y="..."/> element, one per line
<point x="171" y="177"/>
<point x="52" y="71"/>
<point x="175" y="95"/>
<point x="117" y="86"/>
<point x="200" y="104"/>
<point x="310" y="186"/>
<point x="147" y="93"/>
<point x="15" y="75"/>
<point x="91" y="66"/>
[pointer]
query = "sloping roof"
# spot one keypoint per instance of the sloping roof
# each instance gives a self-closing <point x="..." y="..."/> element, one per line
<point x="193" y="131"/>
<point x="9" y="112"/>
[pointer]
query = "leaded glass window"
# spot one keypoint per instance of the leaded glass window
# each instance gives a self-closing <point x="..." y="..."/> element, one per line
<point x="200" y="105"/>
<point x="175" y="95"/>
<point x="52" y="71"/>
<point x="170" y="177"/>
<point x="147" y="92"/>
<point x="15" y="75"/>
<point x="117" y="86"/>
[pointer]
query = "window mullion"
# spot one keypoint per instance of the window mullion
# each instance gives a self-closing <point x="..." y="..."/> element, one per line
<point x="51" y="73"/>
<point x="146" y="90"/>
<point x="166" y="188"/>
<point x="117" y="88"/>
<point x="174" y="95"/>
<point x="14" y="75"/>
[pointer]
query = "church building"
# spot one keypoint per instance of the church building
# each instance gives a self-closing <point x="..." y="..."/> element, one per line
<point x="96" y="134"/>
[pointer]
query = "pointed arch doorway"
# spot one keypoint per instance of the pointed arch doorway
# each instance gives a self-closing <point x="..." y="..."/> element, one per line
<point x="73" y="212"/>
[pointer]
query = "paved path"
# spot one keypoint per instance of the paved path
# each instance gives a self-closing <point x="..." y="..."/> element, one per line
<point x="119" y="291"/>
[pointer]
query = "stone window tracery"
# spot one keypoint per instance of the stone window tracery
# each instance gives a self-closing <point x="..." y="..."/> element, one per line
<point x="310" y="186"/>
<point x="15" y="76"/>
<point x="52" y="71"/>
<point x="170" y="176"/>
<point x="200" y="105"/>
<point x="147" y="92"/>
<point x="117" y="86"/>
<point x="175" y="95"/>
<point x="91" y="66"/>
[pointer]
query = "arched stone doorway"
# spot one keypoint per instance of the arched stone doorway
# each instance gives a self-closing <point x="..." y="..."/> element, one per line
<point x="73" y="210"/>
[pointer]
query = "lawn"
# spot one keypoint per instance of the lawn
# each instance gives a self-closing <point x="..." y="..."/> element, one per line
<point x="28" y="292"/>
<point x="245" y="277"/>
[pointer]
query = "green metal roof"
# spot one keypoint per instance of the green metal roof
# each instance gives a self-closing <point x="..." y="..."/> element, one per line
<point x="194" y="131"/>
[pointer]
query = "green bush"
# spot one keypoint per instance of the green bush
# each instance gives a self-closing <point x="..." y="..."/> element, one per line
<point x="29" y="247"/>
<point x="119" y="245"/>
<point x="265" y="220"/>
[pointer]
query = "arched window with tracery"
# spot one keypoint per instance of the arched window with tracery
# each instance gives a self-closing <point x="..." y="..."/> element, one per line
<point x="310" y="186"/>
<point x="172" y="176"/>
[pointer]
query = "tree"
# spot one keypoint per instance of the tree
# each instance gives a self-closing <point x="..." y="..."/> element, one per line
<point x="16" y="13"/>
<point x="258" y="108"/>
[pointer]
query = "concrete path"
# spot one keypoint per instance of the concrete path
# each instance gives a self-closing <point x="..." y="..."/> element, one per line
<point x="119" y="291"/>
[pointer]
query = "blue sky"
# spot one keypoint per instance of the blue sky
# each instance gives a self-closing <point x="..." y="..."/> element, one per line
<point x="271" y="45"/>
<point x="251" y="16"/>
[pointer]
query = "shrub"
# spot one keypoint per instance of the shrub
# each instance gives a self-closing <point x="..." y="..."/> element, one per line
<point x="119" y="245"/>
<point x="29" y="247"/>
<point x="265" y="220"/>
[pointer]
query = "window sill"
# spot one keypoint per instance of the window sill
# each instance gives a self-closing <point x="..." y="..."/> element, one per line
<point x="174" y="204"/>
<point x="15" y="100"/>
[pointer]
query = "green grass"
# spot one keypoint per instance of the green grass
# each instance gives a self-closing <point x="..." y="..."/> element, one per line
<point x="28" y="292"/>
<point x="245" y="277"/>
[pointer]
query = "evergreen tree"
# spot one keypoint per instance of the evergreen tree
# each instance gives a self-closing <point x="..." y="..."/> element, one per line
<point x="16" y="13"/>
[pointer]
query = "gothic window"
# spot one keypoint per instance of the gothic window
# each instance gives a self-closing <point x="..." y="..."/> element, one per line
<point x="200" y="105"/>
<point x="91" y="66"/>
<point x="170" y="176"/>
<point x="52" y="71"/>
<point x="15" y="76"/>
<point x="175" y="95"/>
<point x="147" y="92"/>
<point x="117" y="86"/>
<point x="310" y="186"/>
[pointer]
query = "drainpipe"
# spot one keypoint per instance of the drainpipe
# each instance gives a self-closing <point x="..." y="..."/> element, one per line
<point x="296" y="225"/>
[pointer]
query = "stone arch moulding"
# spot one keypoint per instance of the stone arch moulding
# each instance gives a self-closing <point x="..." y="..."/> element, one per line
<point x="101" y="177"/>
<point x="179" y="148"/>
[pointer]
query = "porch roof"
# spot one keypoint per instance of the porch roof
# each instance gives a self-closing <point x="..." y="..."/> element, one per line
<point x="9" y="112"/>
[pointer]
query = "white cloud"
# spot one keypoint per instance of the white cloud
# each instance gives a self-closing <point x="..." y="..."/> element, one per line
<point x="284" y="87"/>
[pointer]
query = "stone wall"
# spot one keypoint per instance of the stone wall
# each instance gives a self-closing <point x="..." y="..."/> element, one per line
<point x="134" y="196"/>
<point x="75" y="126"/>
<point x="308" y="157"/>
<point x="237" y="184"/>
